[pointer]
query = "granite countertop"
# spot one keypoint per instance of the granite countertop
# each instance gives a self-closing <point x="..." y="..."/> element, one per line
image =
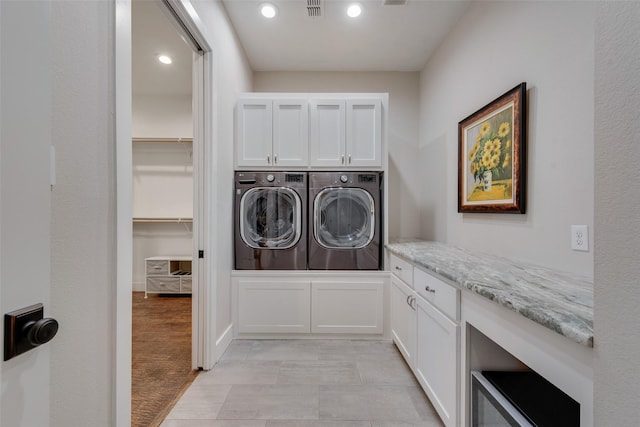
<point x="556" y="300"/>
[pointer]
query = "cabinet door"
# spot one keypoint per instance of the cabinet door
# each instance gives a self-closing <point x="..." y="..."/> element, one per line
<point x="364" y="133"/>
<point x="254" y="132"/>
<point x="436" y="363"/>
<point x="273" y="306"/>
<point x="403" y="319"/>
<point x="290" y="132"/>
<point x="348" y="307"/>
<point x="327" y="132"/>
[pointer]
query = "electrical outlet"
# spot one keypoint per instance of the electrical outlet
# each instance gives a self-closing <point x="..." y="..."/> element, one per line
<point x="580" y="238"/>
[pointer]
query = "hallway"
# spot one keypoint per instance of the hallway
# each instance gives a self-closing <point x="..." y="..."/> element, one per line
<point x="305" y="383"/>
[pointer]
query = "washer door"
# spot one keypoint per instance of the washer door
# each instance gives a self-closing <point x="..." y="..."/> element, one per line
<point x="270" y="218"/>
<point x="344" y="218"/>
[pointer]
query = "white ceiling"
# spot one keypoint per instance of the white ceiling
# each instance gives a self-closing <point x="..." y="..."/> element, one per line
<point x="383" y="38"/>
<point x="153" y="34"/>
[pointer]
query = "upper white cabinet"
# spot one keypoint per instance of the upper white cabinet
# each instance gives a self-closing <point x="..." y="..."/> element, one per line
<point x="346" y="133"/>
<point x="301" y="131"/>
<point x="272" y="133"/>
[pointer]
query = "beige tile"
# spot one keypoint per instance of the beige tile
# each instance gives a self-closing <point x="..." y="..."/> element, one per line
<point x="306" y="383"/>
<point x="296" y="423"/>
<point x="283" y="350"/>
<point x="213" y="423"/>
<point x="243" y="372"/>
<point x="318" y="372"/>
<point x="387" y="372"/>
<point x="264" y="402"/>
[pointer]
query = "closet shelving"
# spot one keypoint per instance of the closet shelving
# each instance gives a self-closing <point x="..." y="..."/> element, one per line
<point x="162" y="187"/>
<point x="189" y="153"/>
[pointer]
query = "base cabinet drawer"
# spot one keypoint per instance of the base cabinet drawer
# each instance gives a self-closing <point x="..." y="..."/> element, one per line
<point x="443" y="296"/>
<point x="401" y="268"/>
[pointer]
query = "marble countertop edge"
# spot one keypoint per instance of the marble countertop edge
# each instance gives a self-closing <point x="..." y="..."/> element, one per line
<point x="556" y="300"/>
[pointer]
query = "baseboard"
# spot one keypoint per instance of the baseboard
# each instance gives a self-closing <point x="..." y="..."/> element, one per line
<point x="223" y="343"/>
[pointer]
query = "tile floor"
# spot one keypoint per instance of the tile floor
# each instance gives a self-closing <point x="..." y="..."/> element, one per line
<point x="306" y="383"/>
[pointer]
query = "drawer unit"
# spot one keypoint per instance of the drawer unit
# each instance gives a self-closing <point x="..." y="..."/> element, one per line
<point x="401" y="268"/>
<point x="443" y="296"/>
<point x="168" y="275"/>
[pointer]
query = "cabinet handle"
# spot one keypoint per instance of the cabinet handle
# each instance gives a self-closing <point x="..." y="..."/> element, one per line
<point x="342" y="159"/>
<point x="275" y="159"/>
<point x="349" y="158"/>
<point x="428" y="289"/>
<point x="408" y="303"/>
<point x="398" y="268"/>
<point x="412" y="303"/>
<point x="268" y="159"/>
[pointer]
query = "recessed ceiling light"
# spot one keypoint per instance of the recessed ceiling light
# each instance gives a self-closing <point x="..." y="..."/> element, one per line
<point x="165" y="59"/>
<point x="268" y="10"/>
<point x="354" y="10"/>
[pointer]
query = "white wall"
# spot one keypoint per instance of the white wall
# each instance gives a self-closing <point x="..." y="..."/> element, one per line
<point x="162" y="116"/>
<point x="494" y="47"/>
<point x="83" y="215"/>
<point x="403" y="192"/>
<point x="617" y="270"/>
<point x="232" y="76"/>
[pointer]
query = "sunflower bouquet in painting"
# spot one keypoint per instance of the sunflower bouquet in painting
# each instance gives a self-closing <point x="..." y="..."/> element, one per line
<point x="491" y="154"/>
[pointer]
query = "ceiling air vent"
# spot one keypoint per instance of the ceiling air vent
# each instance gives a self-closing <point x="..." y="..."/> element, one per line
<point x="394" y="2"/>
<point x="314" y="8"/>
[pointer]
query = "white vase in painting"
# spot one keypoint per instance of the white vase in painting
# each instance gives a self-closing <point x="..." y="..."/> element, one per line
<point x="486" y="180"/>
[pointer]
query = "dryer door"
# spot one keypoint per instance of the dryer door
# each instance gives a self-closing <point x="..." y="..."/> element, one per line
<point x="270" y="218"/>
<point x="343" y="218"/>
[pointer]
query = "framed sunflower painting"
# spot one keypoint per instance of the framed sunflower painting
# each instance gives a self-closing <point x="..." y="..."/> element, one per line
<point x="491" y="156"/>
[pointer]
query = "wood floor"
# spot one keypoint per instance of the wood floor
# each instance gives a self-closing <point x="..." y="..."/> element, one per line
<point x="161" y="355"/>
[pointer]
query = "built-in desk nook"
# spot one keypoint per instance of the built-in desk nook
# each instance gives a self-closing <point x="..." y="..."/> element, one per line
<point x="454" y="311"/>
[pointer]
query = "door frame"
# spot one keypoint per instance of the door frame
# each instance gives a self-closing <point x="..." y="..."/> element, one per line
<point x="189" y="25"/>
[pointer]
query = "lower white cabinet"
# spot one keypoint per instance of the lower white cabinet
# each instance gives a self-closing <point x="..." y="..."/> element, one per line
<point x="425" y="313"/>
<point x="273" y="306"/>
<point x="303" y="304"/>
<point x="437" y="360"/>
<point x="403" y="319"/>
<point x="347" y="307"/>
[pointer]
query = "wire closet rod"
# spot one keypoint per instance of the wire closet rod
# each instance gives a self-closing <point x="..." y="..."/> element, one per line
<point x="167" y="220"/>
<point x="179" y="140"/>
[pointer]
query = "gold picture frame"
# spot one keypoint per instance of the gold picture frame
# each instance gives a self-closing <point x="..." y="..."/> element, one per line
<point x="491" y="156"/>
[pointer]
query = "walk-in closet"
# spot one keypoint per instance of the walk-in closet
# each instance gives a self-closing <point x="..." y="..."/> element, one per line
<point x="162" y="210"/>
